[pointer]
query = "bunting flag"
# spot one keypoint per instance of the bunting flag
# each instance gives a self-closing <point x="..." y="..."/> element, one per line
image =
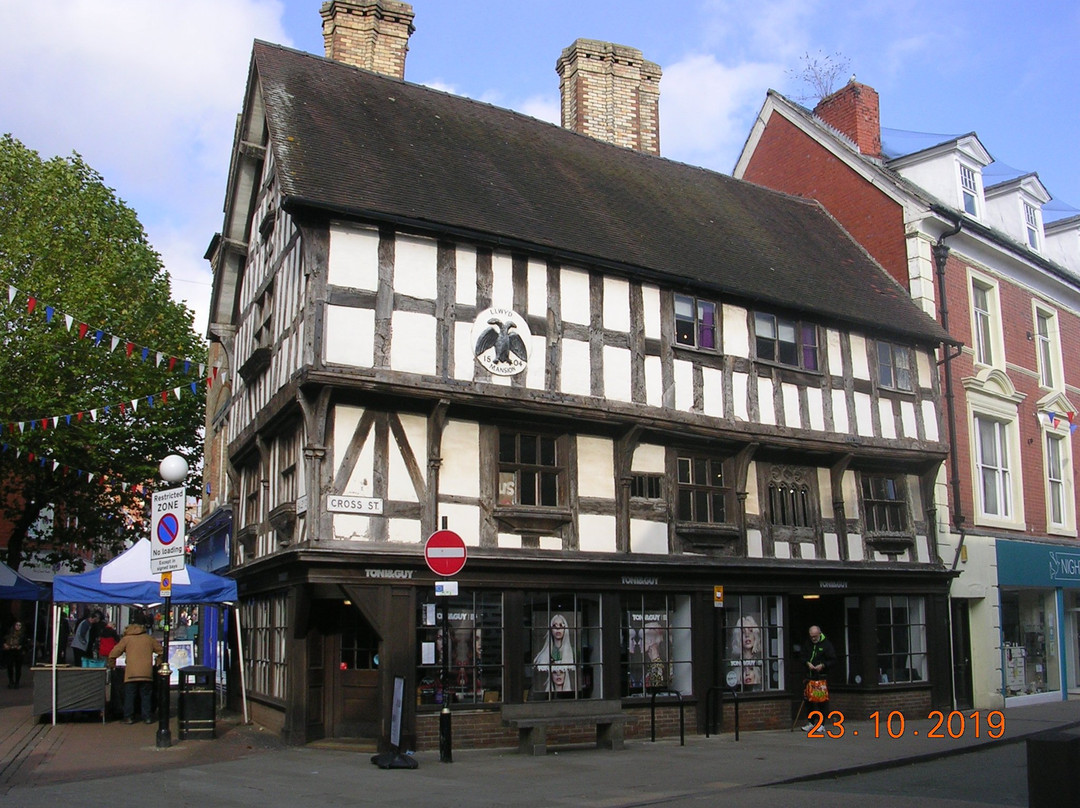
<point x="1054" y="419"/>
<point x="98" y="335"/>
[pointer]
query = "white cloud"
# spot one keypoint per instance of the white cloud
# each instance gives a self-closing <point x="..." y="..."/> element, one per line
<point x="546" y="108"/>
<point x="706" y="108"/>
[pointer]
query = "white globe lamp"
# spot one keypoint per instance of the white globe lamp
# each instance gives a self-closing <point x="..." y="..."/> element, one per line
<point x="173" y="469"/>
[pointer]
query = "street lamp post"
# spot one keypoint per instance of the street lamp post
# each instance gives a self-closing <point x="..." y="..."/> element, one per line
<point x="173" y="469"/>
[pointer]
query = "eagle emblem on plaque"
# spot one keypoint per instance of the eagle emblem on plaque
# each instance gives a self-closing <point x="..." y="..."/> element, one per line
<point x="501" y="338"/>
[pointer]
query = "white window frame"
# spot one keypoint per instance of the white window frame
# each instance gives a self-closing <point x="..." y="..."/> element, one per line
<point x="1047" y="348"/>
<point x="1065" y="477"/>
<point x="998" y="464"/>
<point x="987" y="340"/>
<point x="895" y="371"/>
<point x="970" y="189"/>
<point x="1032" y="226"/>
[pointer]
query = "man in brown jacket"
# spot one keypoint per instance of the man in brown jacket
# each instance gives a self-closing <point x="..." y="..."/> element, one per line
<point x="140" y="648"/>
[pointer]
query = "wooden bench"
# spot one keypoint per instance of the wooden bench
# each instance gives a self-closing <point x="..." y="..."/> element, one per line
<point x="532" y="721"/>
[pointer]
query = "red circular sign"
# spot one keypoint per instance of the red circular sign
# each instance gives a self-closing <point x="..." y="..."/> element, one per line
<point x="445" y="552"/>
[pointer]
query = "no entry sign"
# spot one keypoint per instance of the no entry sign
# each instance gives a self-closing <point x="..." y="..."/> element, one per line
<point x="445" y="552"/>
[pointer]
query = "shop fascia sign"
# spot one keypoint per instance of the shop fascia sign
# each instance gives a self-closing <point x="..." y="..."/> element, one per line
<point x="1065" y="566"/>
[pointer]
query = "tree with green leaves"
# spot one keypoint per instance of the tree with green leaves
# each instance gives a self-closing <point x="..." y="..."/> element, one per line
<point x="89" y="328"/>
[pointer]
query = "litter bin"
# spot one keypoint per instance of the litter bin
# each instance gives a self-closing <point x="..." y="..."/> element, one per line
<point x="195" y="707"/>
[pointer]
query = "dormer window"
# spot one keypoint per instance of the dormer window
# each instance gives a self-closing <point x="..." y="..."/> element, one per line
<point x="1031" y="225"/>
<point x="969" y="188"/>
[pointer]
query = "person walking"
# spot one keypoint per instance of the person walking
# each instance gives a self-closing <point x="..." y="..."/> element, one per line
<point x="819" y="658"/>
<point x="80" y="643"/>
<point x="140" y="647"/>
<point x="14" y="646"/>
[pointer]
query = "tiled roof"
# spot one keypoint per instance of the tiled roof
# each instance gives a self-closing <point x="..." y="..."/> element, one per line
<point x="361" y="144"/>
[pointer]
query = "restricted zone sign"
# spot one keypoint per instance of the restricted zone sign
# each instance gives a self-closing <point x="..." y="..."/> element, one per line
<point x="445" y="552"/>
<point x="167" y="531"/>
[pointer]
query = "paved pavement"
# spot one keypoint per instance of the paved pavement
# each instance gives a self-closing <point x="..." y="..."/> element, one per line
<point x="118" y="765"/>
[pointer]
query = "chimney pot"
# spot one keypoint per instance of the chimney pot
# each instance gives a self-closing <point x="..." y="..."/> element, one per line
<point x="372" y="34"/>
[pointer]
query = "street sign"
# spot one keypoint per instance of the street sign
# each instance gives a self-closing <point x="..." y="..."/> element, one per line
<point x="166" y="585"/>
<point x="167" y="531"/>
<point x="718" y="597"/>
<point x="445" y="552"/>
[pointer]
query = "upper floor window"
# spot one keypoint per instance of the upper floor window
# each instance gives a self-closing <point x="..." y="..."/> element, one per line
<point x="884" y="505"/>
<point x="703" y="494"/>
<point x="530" y="470"/>
<point x="790" y="504"/>
<point x="894" y="366"/>
<point x="1031" y="225"/>
<point x="788" y="342"/>
<point x="1047" y="348"/>
<point x="983" y="319"/>
<point x="695" y="322"/>
<point x="969" y="188"/>
<point x="647" y="486"/>
<point x="993" y="462"/>
<point x="1055" y="479"/>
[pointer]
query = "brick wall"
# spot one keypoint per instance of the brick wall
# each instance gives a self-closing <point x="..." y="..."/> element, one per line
<point x="855" y="111"/>
<point x="372" y="34"/>
<point x="786" y="159"/>
<point x="610" y="92"/>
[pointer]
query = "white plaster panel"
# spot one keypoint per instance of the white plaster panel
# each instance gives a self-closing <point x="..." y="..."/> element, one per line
<point x="887" y="418"/>
<point x="399" y="484"/>
<point x="908" y="420"/>
<point x="462" y="519"/>
<point x="736" y="340"/>
<point x="574" y="295"/>
<point x="922" y="549"/>
<point x="536" y="277"/>
<point x="464" y="357"/>
<point x="738" y="396"/>
<point x="855" y="547"/>
<point x="754" y="546"/>
<point x="351" y="527"/>
<point x="684" y="385"/>
<point x="345" y="420"/>
<point x="616" y="304"/>
<point x="648" y="537"/>
<point x="502" y="281"/>
<point x="836" y="360"/>
<point x="929" y="415"/>
<point x="765" y="401"/>
<point x="815" y="402"/>
<point x="782" y="549"/>
<point x="753" y="503"/>
<point x="617" y="373"/>
<point x="713" y="382"/>
<point x="459" y="474"/>
<point x="535" y="378"/>
<point x="807" y="551"/>
<point x="849" y="491"/>
<point x="596" y="468"/>
<point x="654" y="381"/>
<point x="574" y="373"/>
<point x="839" y="412"/>
<point x="354" y="257"/>
<point x="863" y="414"/>
<point x="412" y="344"/>
<point x="466" y="275"/>
<point x="500" y="381"/>
<point x="596" y="533"/>
<point x="832" y="547"/>
<point x="824" y="480"/>
<point x="650" y="299"/>
<point x="551" y="543"/>
<point x="416" y="262"/>
<point x="403" y="531"/>
<point x="792" y="417"/>
<point x="922" y="362"/>
<point x="350" y="336"/>
<point x="648" y="459"/>
<point x="860" y="367"/>
<point x="509" y="541"/>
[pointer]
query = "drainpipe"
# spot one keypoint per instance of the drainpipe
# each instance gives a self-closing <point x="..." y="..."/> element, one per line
<point x="941" y="255"/>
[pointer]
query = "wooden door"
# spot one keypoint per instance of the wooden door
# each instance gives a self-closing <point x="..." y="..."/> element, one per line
<point x="353" y="664"/>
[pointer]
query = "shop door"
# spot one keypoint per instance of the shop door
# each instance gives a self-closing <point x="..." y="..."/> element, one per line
<point x="961" y="639"/>
<point x="353" y="665"/>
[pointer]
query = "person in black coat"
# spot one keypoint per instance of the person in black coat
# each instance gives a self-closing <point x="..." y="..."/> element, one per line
<point x="819" y="658"/>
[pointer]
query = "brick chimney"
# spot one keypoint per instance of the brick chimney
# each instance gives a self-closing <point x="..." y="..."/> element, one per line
<point x="610" y="92"/>
<point x="372" y="34"/>
<point x="853" y="110"/>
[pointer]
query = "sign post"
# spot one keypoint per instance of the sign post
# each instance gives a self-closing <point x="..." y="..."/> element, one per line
<point x="445" y="554"/>
<point x="167" y="531"/>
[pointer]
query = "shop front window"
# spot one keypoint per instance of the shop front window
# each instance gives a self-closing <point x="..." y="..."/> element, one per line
<point x="754" y="643"/>
<point x="656" y="654"/>
<point x="1028" y="645"/>
<point x="563" y="649"/>
<point x="901" y="639"/>
<point x="471" y="654"/>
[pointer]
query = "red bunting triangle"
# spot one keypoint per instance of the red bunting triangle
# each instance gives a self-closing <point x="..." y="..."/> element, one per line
<point x="209" y="382"/>
<point x="30" y="304"/>
<point x="129" y="347"/>
<point x="172" y="362"/>
<point x="164" y="396"/>
<point x="83" y="328"/>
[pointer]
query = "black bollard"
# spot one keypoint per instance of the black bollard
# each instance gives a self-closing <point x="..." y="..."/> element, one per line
<point x="1053" y="769"/>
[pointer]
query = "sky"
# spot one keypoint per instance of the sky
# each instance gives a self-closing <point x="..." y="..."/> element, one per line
<point x="148" y="91"/>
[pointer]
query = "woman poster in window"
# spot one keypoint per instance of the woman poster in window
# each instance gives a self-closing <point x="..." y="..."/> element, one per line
<point x="745" y="655"/>
<point x="556" y="652"/>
